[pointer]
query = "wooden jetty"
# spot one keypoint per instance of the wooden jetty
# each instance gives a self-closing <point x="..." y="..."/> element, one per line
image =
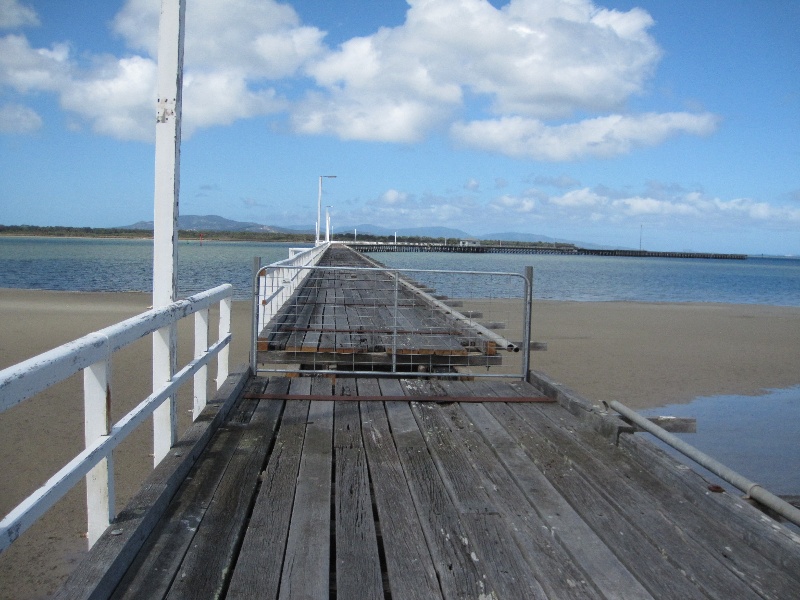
<point x="377" y="486"/>
<point x="566" y="250"/>
<point x="353" y="317"/>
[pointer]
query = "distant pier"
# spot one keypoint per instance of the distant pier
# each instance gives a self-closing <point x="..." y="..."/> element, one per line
<point x="500" y="249"/>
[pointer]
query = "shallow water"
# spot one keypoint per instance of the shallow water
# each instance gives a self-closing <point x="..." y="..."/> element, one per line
<point x="83" y="264"/>
<point x="755" y="436"/>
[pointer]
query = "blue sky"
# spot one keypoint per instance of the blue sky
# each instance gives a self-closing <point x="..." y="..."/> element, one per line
<point x="589" y="121"/>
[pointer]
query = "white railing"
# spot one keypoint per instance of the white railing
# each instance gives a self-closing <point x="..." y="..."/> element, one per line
<point x="275" y="283"/>
<point x="92" y="354"/>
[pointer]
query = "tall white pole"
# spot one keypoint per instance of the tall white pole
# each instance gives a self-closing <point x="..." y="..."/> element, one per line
<point x="165" y="228"/>
<point x="327" y="224"/>
<point x="319" y="210"/>
<point x="319" y="207"/>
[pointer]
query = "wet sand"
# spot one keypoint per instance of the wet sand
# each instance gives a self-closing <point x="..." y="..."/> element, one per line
<point x="644" y="355"/>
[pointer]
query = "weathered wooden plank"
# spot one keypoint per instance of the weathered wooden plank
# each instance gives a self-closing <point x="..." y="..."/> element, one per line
<point x="749" y="540"/>
<point x="159" y="560"/>
<point x="310" y="339"/>
<point x="327" y="339"/>
<point x="260" y="561"/>
<point x="300" y="323"/>
<point x="460" y="575"/>
<point x="507" y="571"/>
<point x="451" y="460"/>
<point x="100" y="571"/>
<point x="306" y="566"/>
<point x="206" y="568"/>
<point x="409" y="564"/>
<point x="673" y="486"/>
<point x="643" y="539"/>
<point x="537" y="512"/>
<point x="358" y="568"/>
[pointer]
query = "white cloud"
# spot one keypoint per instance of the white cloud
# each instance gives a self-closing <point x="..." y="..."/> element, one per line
<point x="530" y="61"/>
<point x="513" y="204"/>
<point x="16" y="118"/>
<point x="115" y="97"/>
<point x="231" y="50"/>
<point x="393" y="197"/>
<point x="395" y="208"/>
<point x="601" y="137"/>
<point x="14" y="14"/>
<point x="472" y="184"/>
<point x="257" y="38"/>
<point x="673" y="207"/>
<point x="26" y="69"/>
<point x="578" y="198"/>
<point x="532" y="58"/>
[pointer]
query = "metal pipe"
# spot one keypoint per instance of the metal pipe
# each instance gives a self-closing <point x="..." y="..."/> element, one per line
<point x="752" y="489"/>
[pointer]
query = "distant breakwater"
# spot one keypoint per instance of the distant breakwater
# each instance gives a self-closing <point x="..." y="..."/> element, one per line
<point x="499" y="249"/>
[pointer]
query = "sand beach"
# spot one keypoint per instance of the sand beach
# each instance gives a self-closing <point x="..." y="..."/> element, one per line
<point x="643" y="354"/>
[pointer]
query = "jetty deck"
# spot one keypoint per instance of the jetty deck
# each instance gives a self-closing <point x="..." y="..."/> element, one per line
<point x="349" y="314"/>
<point x="459" y="490"/>
<point x="392" y="486"/>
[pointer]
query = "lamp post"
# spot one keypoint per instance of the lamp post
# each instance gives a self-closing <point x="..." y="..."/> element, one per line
<point x="328" y="223"/>
<point x="319" y="205"/>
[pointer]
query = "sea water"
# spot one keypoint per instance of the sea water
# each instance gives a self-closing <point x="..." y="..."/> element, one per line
<point x="89" y="264"/>
<point x="757" y="437"/>
<point x="126" y="265"/>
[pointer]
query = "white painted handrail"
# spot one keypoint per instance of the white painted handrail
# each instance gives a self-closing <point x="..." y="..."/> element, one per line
<point x="275" y="283"/>
<point x="92" y="354"/>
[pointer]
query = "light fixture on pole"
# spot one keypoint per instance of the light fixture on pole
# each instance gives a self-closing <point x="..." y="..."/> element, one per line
<point x="328" y="223"/>
<point x="319" y="205"/>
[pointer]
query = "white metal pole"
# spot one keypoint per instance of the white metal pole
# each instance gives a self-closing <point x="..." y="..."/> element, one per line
<point x="327" y="224"/>
<point x="319" y="210"/>
<point x="165" y="222"/>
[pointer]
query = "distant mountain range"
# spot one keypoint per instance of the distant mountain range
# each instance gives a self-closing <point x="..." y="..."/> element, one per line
<point x="448" y="232"/>
<point x="214" y="223"/>
<point x="217" y="223"/>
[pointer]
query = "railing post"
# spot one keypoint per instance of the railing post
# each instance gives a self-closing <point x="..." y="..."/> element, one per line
<point x="224" y="331"/>
<point x="256" y="309"/>
<point x="526" y="341"/>
<point x="97" y="423"/>
<point x="394" y="333"/>
<point x="165" y="417"/>
<point x="200" y="348"/>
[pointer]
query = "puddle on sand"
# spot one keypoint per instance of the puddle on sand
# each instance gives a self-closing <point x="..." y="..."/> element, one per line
<point x="756" y="436"/>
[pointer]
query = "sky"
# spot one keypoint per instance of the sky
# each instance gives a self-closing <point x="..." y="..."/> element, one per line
<point x="671" y="125"/>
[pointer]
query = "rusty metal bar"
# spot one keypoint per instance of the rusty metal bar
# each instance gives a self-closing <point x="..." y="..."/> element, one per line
<point x="315" y="397"/>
